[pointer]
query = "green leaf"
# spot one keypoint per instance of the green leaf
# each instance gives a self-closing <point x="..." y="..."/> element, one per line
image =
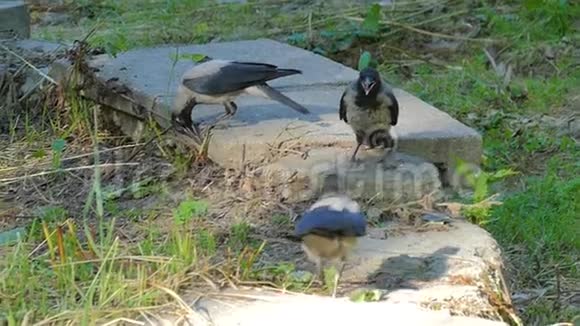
<point x="364" y="60"/>
<point x="358" y="296"/>
<point x="372" y="19"/>
<point x="189" y="209"/>
<point x="532" y="4"/>
<point x="58" y="145"/>
<point x="40" y="153"/>
<point x="319" y="50"/>
<point x="330" y="275"/>
<point x="195" y="57"/>
<point x="364" y="295"/>
<point x="297" y="39"/>
<point x="501" y="174"/>
<point x="481" y="187"/>
<point x="201" y="28"/>
<point x="8" y="237"/>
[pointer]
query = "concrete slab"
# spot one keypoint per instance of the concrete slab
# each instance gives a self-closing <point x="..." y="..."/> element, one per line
<point x="423" y="130"/>
<point x="14" y="20"/>
<point x="261" y="128"/>
<point x="394" y="177"/>
<point x="396" y="258"/>
<point x="265" y="308"/>
<point x="424" y="278"/>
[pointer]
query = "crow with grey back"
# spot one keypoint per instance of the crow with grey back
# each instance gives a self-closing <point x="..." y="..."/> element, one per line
<point x="330" y="229"/>
<point x="214" y="81"/>
<point x="369" y="106"/>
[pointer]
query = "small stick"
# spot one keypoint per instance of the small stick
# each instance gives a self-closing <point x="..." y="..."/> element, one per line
<point x="8" y="180"/>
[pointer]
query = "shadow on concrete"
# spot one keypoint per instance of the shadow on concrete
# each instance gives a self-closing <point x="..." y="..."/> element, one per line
<point x="406" y="272"/>
<point x="254" y="114"/>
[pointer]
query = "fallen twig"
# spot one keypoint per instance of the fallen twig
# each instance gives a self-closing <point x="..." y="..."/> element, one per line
<point x="425" y="32"/>
<point x="8" y="180"/>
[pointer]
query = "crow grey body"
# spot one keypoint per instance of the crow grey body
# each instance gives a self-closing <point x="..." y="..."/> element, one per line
<point x="222" y="81"/>
<point x="369" y="106"/>
<point x="329" y="229"/>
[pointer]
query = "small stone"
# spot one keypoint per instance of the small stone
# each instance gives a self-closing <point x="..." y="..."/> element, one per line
<point x="301" y="276"/>
<point x="14" y="20"/>
<point x="33" y="81"/>
<point x="436" y="218"/>
<point x="374" y="213"/>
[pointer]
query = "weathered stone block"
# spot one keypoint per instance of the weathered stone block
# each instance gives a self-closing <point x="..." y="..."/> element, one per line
<point x="14" y="19"/>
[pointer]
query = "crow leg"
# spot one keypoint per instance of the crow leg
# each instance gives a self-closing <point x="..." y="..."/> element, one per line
<point x="319" y="270"/>
<point x="353" y="157"/>
<point x="388" y="142"/>
<point x="183" y="119"/>
<point x="359" y="140"/>
<point x="342" y="265"/>
<point x="230" y="108"/>
<point x="338" y="275"/>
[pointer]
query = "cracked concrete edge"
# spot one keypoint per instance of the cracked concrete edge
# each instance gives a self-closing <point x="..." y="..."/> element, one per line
<point x="14" y="19"/>
<point x="137" y="105"/>
<point x="138" y="108"/>
<point x="255" y="308"/>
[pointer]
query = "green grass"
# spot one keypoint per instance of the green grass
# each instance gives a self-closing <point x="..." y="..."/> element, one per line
<point x="87" y="273"/>
<point x="64" y="277"/>
<point x="79" y="265"/>
<point x="538" y="228"/>
<point x="124" y="25"/>
<point x="544" y="219"/>
<point x="537" y="224"/>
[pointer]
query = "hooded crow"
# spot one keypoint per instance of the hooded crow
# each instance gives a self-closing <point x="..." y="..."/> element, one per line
<point x="215" y="81"/>
<point x="330" y="229"/>
<point x="369" y="106"/>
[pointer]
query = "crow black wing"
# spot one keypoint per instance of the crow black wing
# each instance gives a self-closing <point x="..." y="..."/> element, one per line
<point x="236" y="76"/>
<point x="393" y="108"/>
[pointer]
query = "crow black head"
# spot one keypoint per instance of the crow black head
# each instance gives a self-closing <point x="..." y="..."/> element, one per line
<point x="369" y="81"/>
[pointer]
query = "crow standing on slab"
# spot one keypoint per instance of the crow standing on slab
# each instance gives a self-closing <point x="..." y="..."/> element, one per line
<point x="329" y="230"/>
<point x="216" y="81"/>
<point x="370" y="108"/>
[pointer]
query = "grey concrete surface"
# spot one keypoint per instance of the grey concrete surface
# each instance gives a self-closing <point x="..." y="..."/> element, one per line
<point x="14" y="19"/>
<point x="406" y="258"/>
<point x="423" y="130"/>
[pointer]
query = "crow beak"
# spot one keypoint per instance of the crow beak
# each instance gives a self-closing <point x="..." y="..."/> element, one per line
<point x="367" y="85"/>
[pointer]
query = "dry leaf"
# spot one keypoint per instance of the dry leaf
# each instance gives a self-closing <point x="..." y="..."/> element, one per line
<point x="453" y="208"/>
